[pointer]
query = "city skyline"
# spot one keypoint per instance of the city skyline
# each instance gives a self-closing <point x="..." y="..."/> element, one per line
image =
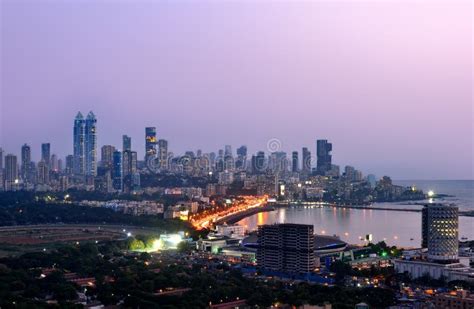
<point x="384" y="104"/>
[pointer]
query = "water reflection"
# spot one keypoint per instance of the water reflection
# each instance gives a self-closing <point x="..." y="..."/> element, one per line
<point x="396" y="228"/>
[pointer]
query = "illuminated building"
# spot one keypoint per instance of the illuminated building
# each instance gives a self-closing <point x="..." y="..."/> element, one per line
<point x="150" y="142"/>
<point x="79" y="142"/>
<point x="286" y="248"/>
<point x="324" y="158"/>
<point x="440" y="232"/>
<point x="90" y="145"/>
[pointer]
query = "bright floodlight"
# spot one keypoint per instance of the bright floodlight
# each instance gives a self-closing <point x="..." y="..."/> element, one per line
<point x="129" y="234"/>
<point x="431" y="193"/>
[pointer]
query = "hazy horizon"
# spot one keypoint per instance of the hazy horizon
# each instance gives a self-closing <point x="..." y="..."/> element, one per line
<point x="388" y="83"/>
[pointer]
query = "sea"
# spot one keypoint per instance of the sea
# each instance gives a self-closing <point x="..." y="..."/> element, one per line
<point x="399" y="228"/>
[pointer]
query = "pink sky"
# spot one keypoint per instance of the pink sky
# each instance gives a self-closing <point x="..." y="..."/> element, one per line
<point x="388" y="82"/>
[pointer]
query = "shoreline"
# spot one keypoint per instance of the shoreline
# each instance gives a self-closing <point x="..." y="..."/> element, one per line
<point x="464" y="213"/>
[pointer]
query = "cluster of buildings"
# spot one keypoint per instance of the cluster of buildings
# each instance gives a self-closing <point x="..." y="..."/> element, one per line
<point x="275" y="173"/>
<point x="136" y="208"/>
<point x="439" y="255"/>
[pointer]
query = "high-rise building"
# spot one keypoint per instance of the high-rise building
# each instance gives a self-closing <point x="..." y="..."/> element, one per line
<point x="46" y="153"/>
<point x="43" y="173"/>
<point x="306" y="158"/>
<point x="129" y="163"/>
<point x="286" y="248"/>
<point x="117" y="178"/>
<point x="242" y="151"/>
<point x="258" y="163"/>
<point x="69" y="164"/>
<point x="54" y="163"/>
<point x="126" y="142"/>
<point x="240" y="163"/>
<point x="150" y="143"/>
<point x="163" y="154"/>
<point x="91" y="145"/>
<point x="227" y="150"/>
<point x="79" y="144"/>
<point x="1" y="159"/>
<point x="106" y="156"/>
<point x="25" y="163"/>
<point x="294" y="161"/>
<point x="11" y="173"/>
<point x="440" y="232"/>
<point x="324" y="158"/>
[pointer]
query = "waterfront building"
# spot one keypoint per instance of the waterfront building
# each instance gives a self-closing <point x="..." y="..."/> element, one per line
<point x="440" y="232"/>
<point x="286" y="248"/>
<point x="11" y="173"/>
<point x="79" y="144"/>
<point x="324" y="158"/>
<point x="126" y="142"/>
<point x="440" y="236"/>
<point x="46" y="153"/>
<point x="150" y="143"/>
<point x="117" y="178"/>
<point x="91" y="145"/>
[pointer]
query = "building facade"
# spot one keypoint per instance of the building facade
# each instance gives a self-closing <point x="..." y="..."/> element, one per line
<point x="286" y="248"/>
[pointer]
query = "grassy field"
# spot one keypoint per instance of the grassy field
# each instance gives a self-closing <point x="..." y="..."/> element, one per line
<point x="15" y="240"/>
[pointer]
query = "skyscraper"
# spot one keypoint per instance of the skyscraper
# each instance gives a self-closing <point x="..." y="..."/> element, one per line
<point x="324" y="158"/>
<point x="126" y="142"/>
<point x="306" y="158"/>
<point x="117" y="179"/>
<point x="79" y="144"/>
<point x="258" y="163"/>
<point x="286" y="247"/>
<point x="43" y="173"/>
<point x="240" y="163"/>
<point x="227" y="150"/>
<point x="54" y="163"/>
<point x="440" y="232"/>
<point x="150" y="142"/>
<point x="1" y="159"/>
<point x="106" y="156"/>
<point x="46" y="153"/>
<point x="25" y="162"/>
<point x="91" y="145"/>
<point x="69" y="164"/>
<point x="11" y="172"/>
<point x="163" y="154"/>
<point x="294" y="162"/>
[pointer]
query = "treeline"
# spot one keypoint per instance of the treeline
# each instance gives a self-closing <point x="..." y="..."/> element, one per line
<point x="134" y="281"/>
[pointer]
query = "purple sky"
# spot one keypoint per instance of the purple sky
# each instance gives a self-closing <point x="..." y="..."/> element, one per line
<point x="388" y="82"/>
